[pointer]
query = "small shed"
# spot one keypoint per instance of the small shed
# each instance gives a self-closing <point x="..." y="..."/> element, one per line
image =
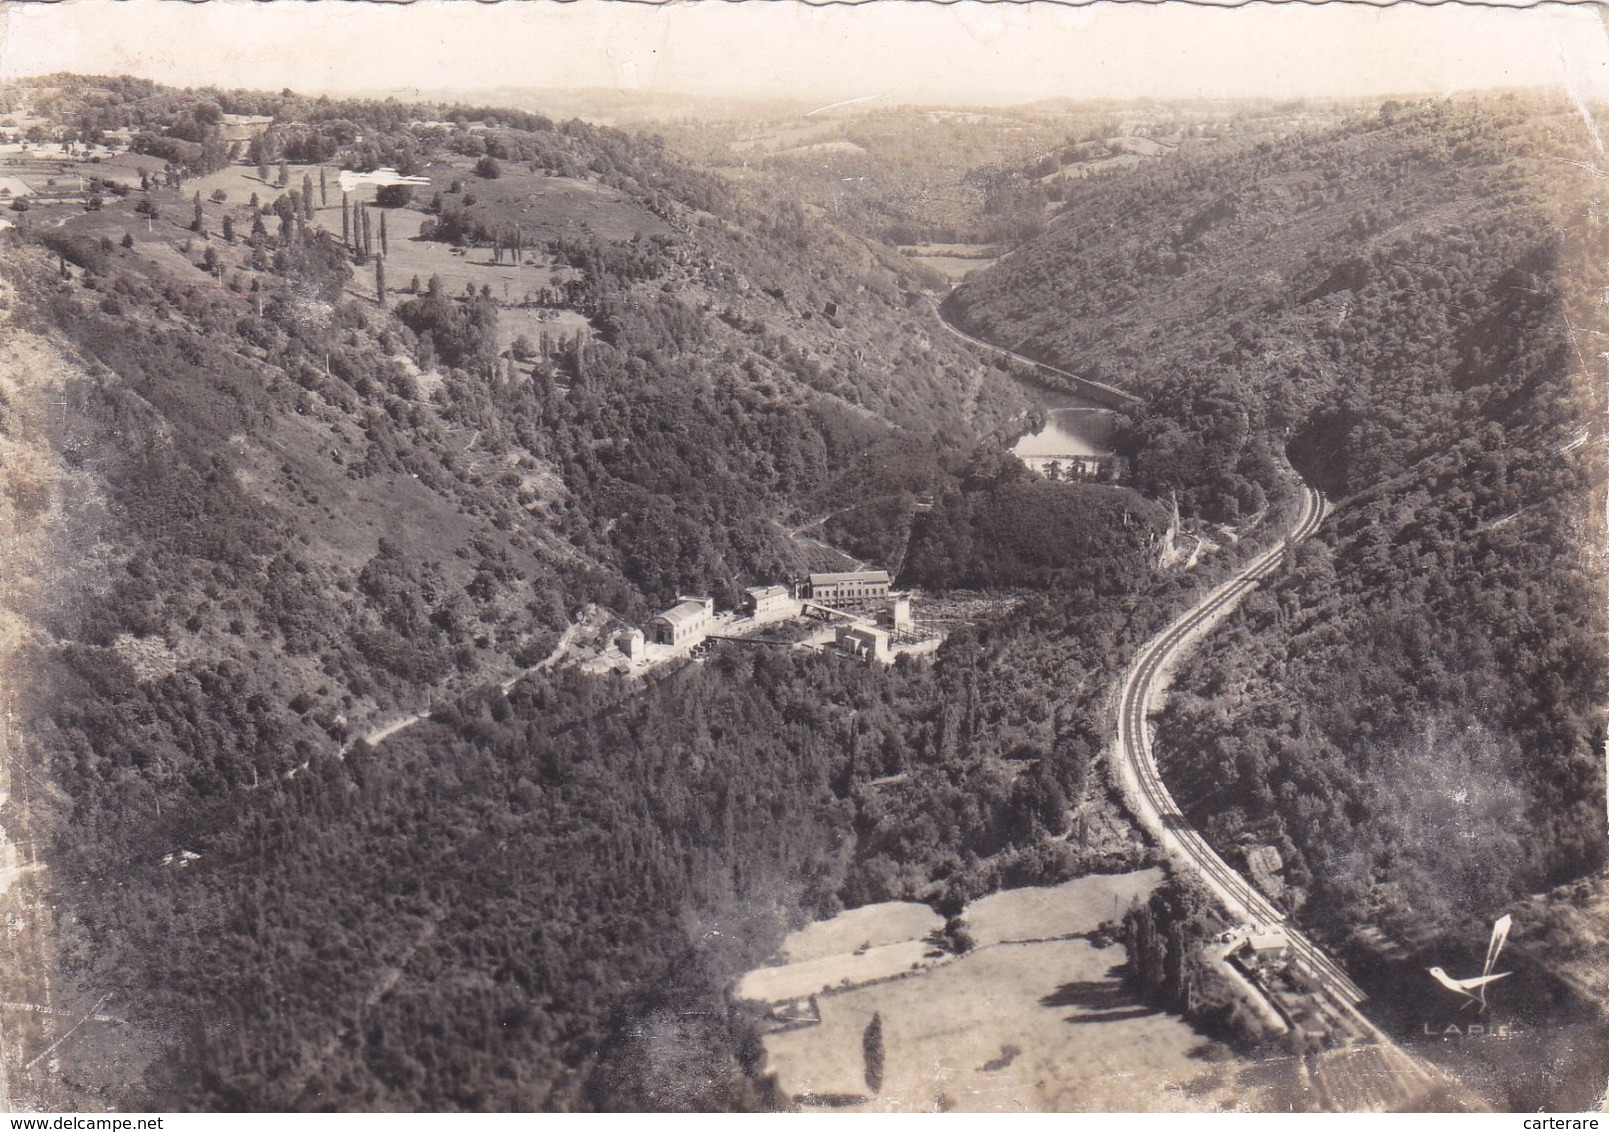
<point x="633" y="644"/>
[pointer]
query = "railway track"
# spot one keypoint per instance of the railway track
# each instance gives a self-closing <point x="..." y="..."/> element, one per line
<point x="1090" y="386"/>
<point x="1158" y="812"/>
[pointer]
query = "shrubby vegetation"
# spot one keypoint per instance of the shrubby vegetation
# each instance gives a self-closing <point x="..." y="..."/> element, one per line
<point x="1172" y="969"/>
<point x="1005" y="527"/>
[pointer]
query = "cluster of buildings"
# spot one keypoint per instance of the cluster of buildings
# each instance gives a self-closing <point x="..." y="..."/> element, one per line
<point x="859" y="612"/>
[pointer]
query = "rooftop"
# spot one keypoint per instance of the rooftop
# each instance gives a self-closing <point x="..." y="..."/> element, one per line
<point x="851" y="576"/>
<point x="1268" y="941"/>
<point x="682" y="613"/>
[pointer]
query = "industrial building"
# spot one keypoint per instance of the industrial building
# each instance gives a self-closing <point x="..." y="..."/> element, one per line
<point x="865" y="641"/>
<point x="898" y="614"/>
<point x="769" y="603"/>
<point x="849" y="588"/>
<point x="685" y="624"/>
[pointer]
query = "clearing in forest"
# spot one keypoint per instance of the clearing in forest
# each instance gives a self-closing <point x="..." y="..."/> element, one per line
<point x="1046" y="1026"/>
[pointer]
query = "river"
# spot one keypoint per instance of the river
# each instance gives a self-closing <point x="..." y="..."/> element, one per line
<point x="1073" y="427"/>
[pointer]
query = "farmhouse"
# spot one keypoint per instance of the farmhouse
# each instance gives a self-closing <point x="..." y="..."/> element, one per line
<point x="684" y="624"/>
<point x="848" y="588"/>
<point x="769" y="603"/>
<point x="1265" y="950"/>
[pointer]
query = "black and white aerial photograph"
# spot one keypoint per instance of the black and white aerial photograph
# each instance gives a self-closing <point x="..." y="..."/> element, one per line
<point x="801" y="557"/>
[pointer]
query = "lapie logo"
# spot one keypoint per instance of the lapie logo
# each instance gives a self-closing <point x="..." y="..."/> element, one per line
<point x="1473" y="990"/>
<point x="1473" y="1030"/>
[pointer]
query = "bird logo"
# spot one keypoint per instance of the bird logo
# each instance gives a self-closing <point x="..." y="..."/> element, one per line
<point x="1473" y="990"/>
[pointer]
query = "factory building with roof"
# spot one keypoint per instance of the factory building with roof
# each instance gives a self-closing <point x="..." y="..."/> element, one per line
<point x="770" y="603"/>
<point x="684" y="624"/>
<point x="847" y="588"/>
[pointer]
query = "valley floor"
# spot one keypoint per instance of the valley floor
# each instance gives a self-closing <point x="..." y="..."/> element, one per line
<point x="1037" y="1017"/>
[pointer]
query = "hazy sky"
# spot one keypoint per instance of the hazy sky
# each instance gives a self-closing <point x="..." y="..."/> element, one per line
<point x="967" y="51"/>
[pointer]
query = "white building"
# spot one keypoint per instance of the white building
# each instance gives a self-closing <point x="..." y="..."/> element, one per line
<point x="769" y="603"/>
<point x="632" y="644"/>
<point x="1266" y="950"/>
<point x="851" y="588"/>
<point x="901" y="613"/>
<point x="865" y="641"/>
<point x="684" y="624"/>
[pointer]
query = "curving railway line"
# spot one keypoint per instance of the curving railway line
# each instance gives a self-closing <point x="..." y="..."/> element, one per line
<point x="1156" y="807"/>
<point x="1158" y="812"/>
<point x="1395" y="1079"/>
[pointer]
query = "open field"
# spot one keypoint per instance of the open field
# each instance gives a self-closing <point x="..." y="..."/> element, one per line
<point x="828" y="972"/>
<point x="1046" y="1026"/>
<point x="543" y="205"/>
<point x="954" y="261"/>
<point x="555" y="199"/>
<point x="410" y="257"/>
<point x="791" y="135"/>
<point x="978" y="253"/>
<point x="953" y="268"/>
<point x="873" y="926"/>
<point x="1076" y="907"/>
<point x="514" y="321"/>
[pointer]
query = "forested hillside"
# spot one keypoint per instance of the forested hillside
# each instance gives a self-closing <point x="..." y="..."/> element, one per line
<point x="1412" y="712"/>
<point x="292" y="499"/>
<point x="539" y="902"/>
<point x="680" y="327"/>
<point x="1003" y="527"/>
<point x="919" y="174"/>
<point x="313" y="461"/>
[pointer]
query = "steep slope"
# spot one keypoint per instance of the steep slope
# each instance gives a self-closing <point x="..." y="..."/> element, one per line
<point x="1412" y="715"/>
<point x="293" y="503"/>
